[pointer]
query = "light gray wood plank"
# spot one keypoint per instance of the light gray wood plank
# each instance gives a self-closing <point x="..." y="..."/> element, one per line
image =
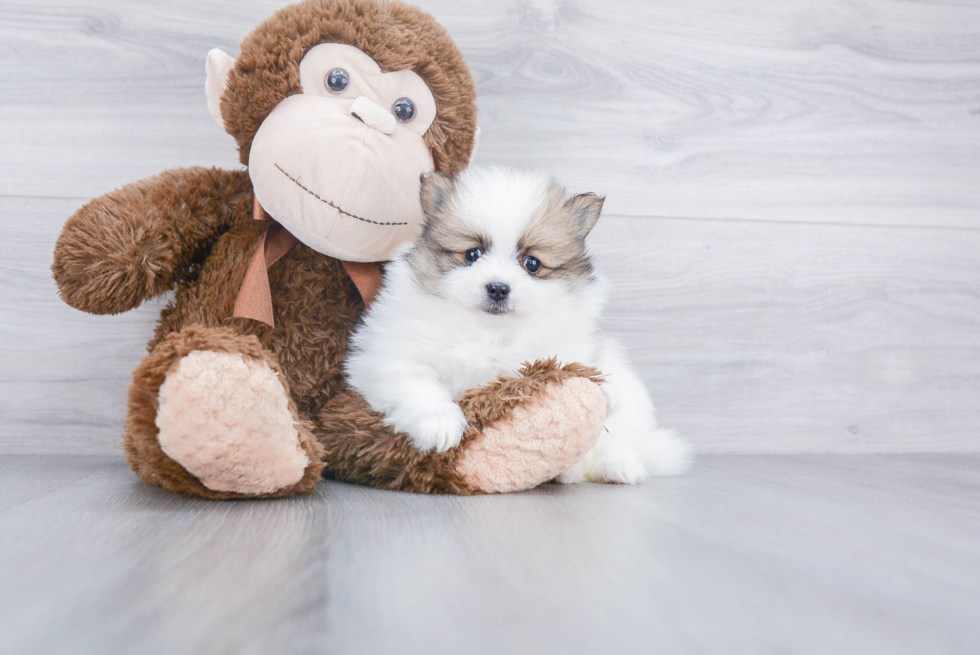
<point x="65" y="373"/>
<point x="841" y="111"/>
<point x="748" y="554"/>
<point x="769" y="337"/>
<point x="25" y="477"/>
<point x="751" y="336"/>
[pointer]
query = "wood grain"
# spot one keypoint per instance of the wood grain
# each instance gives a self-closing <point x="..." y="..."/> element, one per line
<point x="782" y="337"/>
<point x="838" y="111"/>
<point x="748" y="554"/>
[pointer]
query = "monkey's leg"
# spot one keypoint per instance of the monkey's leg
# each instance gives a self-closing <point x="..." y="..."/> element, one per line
<point x="210" y="416"/>
<point x="523" y="431"/>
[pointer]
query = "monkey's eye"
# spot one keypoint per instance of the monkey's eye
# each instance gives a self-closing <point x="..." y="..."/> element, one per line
<point x="531" y="264"/>
<point x="472" y="255"/>
<point x="404" y="110"/>
<point x="337" y="80"/>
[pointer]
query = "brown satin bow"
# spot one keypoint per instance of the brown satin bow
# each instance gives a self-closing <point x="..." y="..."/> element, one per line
<point x="255" y="296"/>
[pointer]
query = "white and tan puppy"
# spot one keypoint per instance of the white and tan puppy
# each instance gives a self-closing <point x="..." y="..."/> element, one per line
<point x="501" y="276"/>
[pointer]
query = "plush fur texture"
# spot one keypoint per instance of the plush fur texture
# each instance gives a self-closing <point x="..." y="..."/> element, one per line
<point x="191" y="231"/>
<point x="143" y="449"/>
<point x="147" y="237"/>
<point x="226" y="419"/>
<point x="500" y="276"/>
<point x="574" y="410"/>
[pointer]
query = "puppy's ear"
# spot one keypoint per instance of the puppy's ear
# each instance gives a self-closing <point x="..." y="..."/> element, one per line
<point x="586" y="207"/>
<point x="436" y="191"/>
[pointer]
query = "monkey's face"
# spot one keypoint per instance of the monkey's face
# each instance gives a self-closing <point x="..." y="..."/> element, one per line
<point x="338" y="165"/>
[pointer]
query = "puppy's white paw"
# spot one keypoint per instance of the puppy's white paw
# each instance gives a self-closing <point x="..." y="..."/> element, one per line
<point x="438" y="430"/>
<point x="573" y="475"/>
<point x="618" y="468"/>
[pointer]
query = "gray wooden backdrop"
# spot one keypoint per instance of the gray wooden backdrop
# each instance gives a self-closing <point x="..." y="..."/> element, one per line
<point x="793" y="215"/>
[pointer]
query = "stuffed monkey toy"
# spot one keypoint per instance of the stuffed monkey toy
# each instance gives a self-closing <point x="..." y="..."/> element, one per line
<point x="338" y="107"/>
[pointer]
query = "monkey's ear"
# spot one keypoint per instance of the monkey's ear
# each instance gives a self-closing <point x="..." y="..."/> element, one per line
<point x="586" y="207"/>
<point x="437" y="190"/>
<point x="218" y="65"/>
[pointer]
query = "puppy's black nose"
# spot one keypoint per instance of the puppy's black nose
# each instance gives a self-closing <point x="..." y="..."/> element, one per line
<point x="497" y="291"/>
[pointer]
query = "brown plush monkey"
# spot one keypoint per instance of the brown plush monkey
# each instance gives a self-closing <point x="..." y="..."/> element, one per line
<point x="337" y="107"/>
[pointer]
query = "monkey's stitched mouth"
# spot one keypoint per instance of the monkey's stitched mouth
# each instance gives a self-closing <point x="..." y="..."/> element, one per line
<point x="327" y="202"/>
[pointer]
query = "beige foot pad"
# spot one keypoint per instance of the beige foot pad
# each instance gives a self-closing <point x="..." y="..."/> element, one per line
<point x="538" y="440"/>
<point x="226" y="419"/>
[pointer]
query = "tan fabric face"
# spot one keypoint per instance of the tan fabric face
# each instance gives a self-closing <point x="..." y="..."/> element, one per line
<point x="324" y="167"/>
<point x="366" y="81"/>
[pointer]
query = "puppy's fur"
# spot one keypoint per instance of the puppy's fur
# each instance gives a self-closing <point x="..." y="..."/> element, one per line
<point x="466" y="303"/>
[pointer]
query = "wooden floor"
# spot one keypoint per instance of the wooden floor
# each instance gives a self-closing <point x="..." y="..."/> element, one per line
<point x="748" y="554"/>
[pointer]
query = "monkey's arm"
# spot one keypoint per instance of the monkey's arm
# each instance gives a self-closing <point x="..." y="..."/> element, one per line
<point x="140" y="240"/>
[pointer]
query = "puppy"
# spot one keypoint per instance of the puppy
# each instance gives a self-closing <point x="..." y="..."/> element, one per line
<point x="500" y="276"/>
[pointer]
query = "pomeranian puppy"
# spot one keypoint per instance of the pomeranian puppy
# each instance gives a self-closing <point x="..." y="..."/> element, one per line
<point x="500" y="276"/>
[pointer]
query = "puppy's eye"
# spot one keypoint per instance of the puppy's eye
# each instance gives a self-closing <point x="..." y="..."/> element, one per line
<point x="472" y="255"/>
<point x="404" y="110"/>
<point x="531" y="264"/>
<point x="337" y="80"/>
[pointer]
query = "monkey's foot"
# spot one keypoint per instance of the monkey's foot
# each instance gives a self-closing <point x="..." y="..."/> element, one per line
<point x="555" y="417"/>
<point x="226" y="419"/>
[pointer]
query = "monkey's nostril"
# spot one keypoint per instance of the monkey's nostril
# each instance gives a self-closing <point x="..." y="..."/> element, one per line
<point x="497" y="291"/>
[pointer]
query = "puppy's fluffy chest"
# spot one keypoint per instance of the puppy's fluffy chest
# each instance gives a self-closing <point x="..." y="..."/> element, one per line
<point x="472" y="355"/>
